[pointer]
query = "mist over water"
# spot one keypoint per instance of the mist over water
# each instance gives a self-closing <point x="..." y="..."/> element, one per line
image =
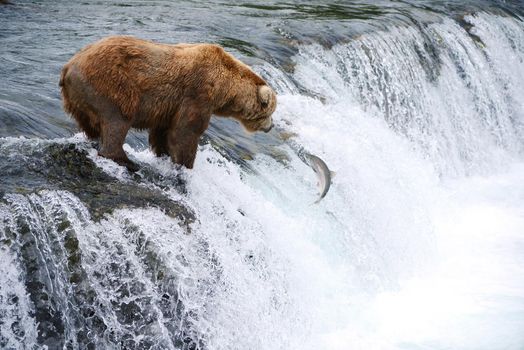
<point x="417" y="107"/>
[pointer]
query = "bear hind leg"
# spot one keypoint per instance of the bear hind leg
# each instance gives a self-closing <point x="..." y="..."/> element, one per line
<point x="85" y="124"/>
<point x="113" y="134"/>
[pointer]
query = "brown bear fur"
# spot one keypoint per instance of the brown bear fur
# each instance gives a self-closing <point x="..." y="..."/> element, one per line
<point x="172" y="90"/>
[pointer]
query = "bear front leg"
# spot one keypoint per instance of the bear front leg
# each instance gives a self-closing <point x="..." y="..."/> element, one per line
<point x="184" y="147"/>
<point x="185" y="132"/>
<point x="158" y="140"/>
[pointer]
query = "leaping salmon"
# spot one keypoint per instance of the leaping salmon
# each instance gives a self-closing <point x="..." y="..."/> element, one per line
<point x="320" y="167"/>
<point x="323" y="173"/>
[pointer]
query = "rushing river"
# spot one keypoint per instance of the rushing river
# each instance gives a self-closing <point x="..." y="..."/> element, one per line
<point x="417" y="105"/>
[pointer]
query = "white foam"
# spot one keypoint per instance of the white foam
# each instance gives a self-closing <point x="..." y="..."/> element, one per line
<point x="18" y="327"/>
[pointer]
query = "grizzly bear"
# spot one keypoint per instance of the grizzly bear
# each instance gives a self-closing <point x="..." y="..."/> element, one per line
<point x="172" y="90"/>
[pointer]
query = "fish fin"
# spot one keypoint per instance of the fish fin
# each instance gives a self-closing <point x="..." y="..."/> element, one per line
<point x="333" y="174"/>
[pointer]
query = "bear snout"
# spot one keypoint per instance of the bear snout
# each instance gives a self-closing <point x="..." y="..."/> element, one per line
<point x="268" y="129"/>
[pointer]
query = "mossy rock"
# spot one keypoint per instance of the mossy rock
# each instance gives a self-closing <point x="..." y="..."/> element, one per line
<point x="58" y="166"/>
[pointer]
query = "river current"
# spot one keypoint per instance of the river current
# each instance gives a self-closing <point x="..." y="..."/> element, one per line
<point x="418" y="106"/>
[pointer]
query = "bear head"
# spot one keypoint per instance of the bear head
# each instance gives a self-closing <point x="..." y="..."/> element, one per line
<point x="252" y="106"/>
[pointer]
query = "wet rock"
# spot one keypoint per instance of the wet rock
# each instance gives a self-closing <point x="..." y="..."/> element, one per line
<point x="17" y="329"/>
<point x="58" y="166"/>
<point x="463" y="22"/>
<point x="67" y="307"/>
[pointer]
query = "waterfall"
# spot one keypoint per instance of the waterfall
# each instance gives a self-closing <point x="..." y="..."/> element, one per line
<point x="453" y="93"/>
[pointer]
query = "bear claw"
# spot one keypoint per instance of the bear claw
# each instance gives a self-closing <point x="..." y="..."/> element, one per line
<point x="131" y="167"/>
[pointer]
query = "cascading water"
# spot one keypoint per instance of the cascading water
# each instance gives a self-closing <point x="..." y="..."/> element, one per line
<point x="416" y="246"/>
<point x="451" y="92"/>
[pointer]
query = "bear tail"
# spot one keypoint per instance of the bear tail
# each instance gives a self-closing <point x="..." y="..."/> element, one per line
<point x="62" y="77"/>
<point x="63" y="89"/>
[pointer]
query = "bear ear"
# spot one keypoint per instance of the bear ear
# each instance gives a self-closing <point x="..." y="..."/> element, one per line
<point x="264" y="95"/>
